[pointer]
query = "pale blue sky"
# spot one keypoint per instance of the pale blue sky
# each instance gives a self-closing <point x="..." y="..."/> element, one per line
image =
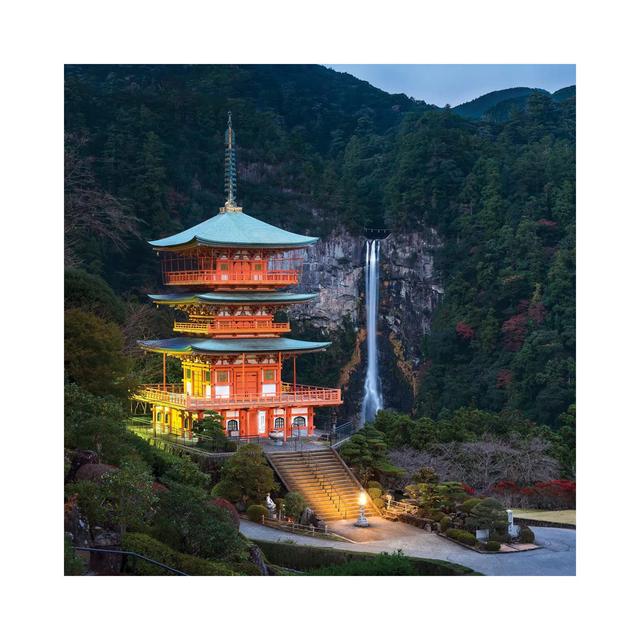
<point x="456" y="83"/>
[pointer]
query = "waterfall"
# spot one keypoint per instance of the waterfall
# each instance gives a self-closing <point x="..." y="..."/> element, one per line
<point x="372" y="401"/>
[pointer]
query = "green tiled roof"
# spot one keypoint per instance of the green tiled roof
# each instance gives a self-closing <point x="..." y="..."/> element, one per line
<point x="231" y="298"/>
<point x="246" y="345"/>
<point x="235" y="229"/>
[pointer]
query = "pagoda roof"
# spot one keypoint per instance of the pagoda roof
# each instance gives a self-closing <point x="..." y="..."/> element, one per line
<point x="275" y="297"/>
<point x="231" y="345"/>
<point x="234" y="229"/>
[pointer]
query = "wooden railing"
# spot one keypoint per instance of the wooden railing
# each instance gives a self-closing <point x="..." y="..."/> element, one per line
<point x="300" y="395"/>
<point x="233" y="326"/>
<point x="211" y="276"/>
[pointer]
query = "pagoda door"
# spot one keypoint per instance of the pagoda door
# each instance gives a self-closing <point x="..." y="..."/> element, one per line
<point x="246" y="383"/>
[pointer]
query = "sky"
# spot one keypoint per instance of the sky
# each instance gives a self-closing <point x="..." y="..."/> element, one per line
<point x="454" y="84"/>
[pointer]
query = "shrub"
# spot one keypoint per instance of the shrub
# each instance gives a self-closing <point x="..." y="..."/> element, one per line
<point x="492" y="545"/>
<point x="487" y="514"/>
<point x="221" y="503"/>
<point x="435" y="515"/>
<point x="246" y="476"/>
<point x="381" y="565"/>
<point x="305" y="558"/>
<point x="379" y="502"/>
<point x="445" y="523"/>
<point x="73" y="566"/>
<point x="256" y="512"/>
<point x="155" y="550"/>
<point x="462" y="536"/>
<point x="185" y="471"/>
<point x="294" y="504"/>
<point x="186" y="521"/>
<point x="375" y="493"/>
<point x="195" y="566"/>
<point x="372" y="484"/>
<point x="468" y="505"/>
<point x="499" y="537"/>
<point x="526" y="535"/>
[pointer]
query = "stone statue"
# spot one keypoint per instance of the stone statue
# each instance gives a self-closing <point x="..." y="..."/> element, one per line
<point x="271" y="506"/>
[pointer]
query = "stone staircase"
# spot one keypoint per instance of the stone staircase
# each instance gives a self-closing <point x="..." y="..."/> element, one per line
<point x="327" y="485"/>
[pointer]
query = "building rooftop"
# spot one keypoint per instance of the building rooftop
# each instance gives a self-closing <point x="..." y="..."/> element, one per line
<point x="274" y="297"/>
<point x="234" y="229"/>
<point x="231" y="345"/>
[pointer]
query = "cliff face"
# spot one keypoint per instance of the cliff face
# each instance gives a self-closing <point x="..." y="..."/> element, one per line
<point x="409" y="293"/>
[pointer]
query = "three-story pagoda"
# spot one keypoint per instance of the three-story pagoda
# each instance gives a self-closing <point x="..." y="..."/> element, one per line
<point x="228" y="274"/>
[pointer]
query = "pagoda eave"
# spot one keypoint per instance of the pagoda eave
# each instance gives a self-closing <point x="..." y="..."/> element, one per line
<point x="231" y="346"/>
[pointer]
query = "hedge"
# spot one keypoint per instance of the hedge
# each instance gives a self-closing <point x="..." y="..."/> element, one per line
<point x="307" y="558"/>
<point x="463" y="536"/>
<point x="256" y="512"/>
<point x="155" y="550"/>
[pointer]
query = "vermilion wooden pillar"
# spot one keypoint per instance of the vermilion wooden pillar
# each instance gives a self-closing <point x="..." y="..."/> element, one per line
<point x="164" y="371"/>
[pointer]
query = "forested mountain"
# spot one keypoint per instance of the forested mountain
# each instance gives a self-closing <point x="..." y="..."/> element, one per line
<point x="320" y="150"/>
<point x="497" y="106"/>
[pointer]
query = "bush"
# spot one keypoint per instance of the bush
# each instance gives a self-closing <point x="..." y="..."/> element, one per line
<point x="462" y="536"/>
<point x="73" y="566"/>
<point x="155" y="550"/>
<point x="246" y="476"/>
<point x="468" y="505"/>
<point x="374" y="493"/>
<point x="256" y="512"/>
<point x="305" y="558"/>
<point x="185" y="471"/>
<point x="221" y="503"/>
<point x="487" y="514"/>
<point x="526" y="535"/>
<point x="294" y="504"/>
<point x="186" y="521"/>
<point x="435" y="515"/>
<point x="379" y="502"/>
<point x="372" y="484"/>
<point x="445" y="523"/>
<point x="381" y="565"/>
<point x="492" y="545"/>
<point x="499" y="537"/>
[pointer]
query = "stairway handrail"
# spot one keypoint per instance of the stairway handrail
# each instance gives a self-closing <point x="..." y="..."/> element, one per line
<point x="322" y="479"/>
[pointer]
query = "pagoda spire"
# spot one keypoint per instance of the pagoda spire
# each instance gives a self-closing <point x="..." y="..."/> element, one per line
<point x="230" y="177"/>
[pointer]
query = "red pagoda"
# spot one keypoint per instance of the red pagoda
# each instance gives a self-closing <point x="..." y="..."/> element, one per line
<point x="229" y="274"/>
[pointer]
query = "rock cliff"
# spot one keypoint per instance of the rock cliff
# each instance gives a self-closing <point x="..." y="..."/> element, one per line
<point x="410" y="290"/>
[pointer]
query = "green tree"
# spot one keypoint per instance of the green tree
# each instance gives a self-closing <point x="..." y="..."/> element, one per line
<point x="246" y="477"/>
<point x="183" y="470"/>
<point x="294" y="505"/>
<point x="93" y="354"/>
<point x="212" y="430"/>
<point x="187" y="522"/>
<point x="129" y="496"/>
<point x="487" y="514"/>
<point x="95" y="423"/>
<point x="366" y="453"/>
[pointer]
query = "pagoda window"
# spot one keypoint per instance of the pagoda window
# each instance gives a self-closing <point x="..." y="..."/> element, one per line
<point x="278" y="423"/>
<point x="232" y="425"/>
<point x="224" y="266"/>
<point x="299" y="421"/>
<point x="222" y="377"/>
<point x="268" y="375"/>
<point x="207" y="376"/>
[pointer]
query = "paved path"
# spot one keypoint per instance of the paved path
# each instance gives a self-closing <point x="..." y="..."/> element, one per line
<point x="557" y="557"/>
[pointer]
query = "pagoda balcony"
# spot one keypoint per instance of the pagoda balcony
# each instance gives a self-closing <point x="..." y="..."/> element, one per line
<point x="300" y="395"/>
<point x="236" y="279"/>
<point x="233" y="327"/>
